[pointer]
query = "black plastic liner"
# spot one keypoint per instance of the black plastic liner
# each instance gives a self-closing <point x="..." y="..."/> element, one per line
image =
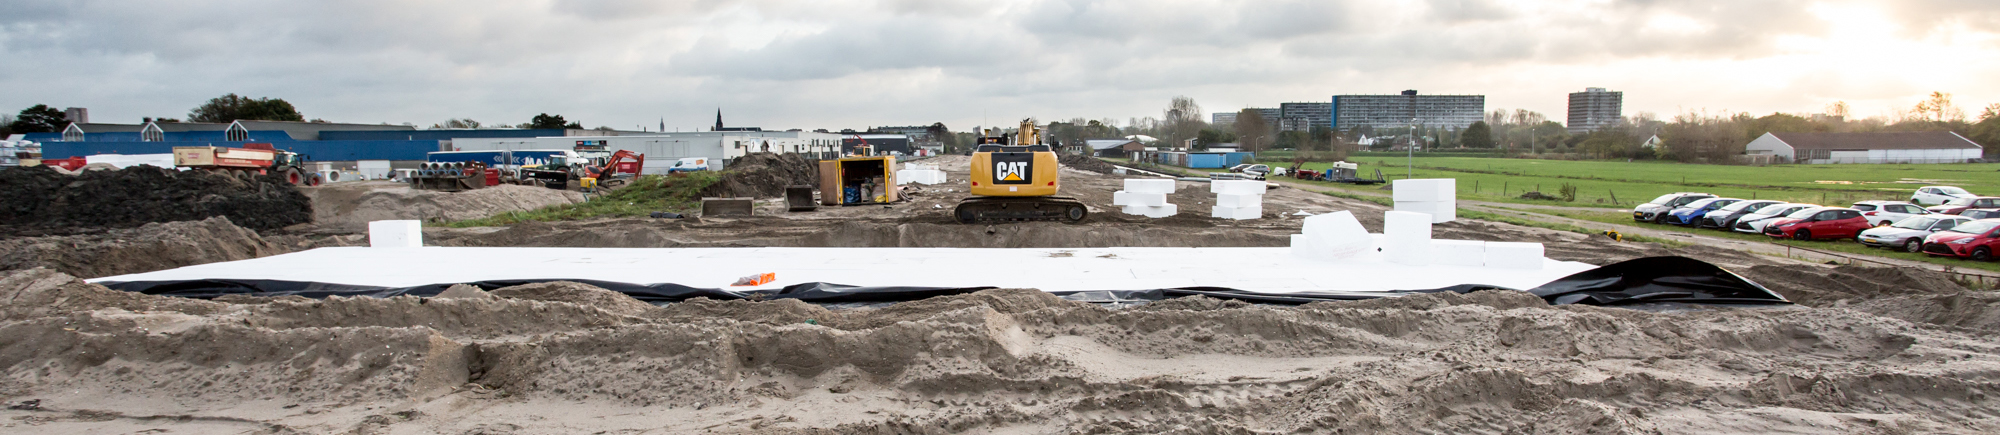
<point x="1644" y="280"/>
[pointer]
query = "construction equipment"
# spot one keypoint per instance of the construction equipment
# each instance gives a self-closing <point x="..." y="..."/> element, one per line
<point x="252" y="157"/>
<point x="857" y="180"/>
<point x="1014" y="178"/>
<point x="558" y="171"/>
<point x="453" y="176"/>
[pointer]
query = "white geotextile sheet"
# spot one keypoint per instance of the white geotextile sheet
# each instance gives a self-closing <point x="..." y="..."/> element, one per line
<point x="1272" y="270"/>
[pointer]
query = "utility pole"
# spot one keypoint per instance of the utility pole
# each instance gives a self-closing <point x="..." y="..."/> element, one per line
<point x="1410" y="161"/>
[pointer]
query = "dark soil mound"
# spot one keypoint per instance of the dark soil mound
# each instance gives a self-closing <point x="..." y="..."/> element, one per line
<point x="1539" y="196"/>
<point x="764" y="175"/>
<point x="1086" y="163"/>
<point x="40" y="199"/>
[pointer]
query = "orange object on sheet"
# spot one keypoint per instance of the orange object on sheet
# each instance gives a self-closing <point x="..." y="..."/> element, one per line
<point x="756" y="280"/>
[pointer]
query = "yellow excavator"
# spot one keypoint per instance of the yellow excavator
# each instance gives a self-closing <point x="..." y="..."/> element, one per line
<point x="1014" y="180"/>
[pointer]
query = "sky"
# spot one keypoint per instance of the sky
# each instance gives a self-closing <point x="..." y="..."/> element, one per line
<point x="838" y="64"/>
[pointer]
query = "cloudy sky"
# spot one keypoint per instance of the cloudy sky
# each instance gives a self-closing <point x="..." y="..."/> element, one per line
<point x="836" y="63"/>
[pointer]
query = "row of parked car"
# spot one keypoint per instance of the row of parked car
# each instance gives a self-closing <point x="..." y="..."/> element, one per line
<point x="1960" y="224"/>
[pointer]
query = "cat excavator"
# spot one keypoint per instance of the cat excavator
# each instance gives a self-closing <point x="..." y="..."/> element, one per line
<point x="1014" y="180"/>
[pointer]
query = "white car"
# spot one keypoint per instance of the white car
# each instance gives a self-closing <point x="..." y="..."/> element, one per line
<point x="1908" y="234"/>
<point x="1935" y="195"/>
<point x="1655" y="211"/>
<point x="1754" y="223"/>
<point x="1881" y="213"/>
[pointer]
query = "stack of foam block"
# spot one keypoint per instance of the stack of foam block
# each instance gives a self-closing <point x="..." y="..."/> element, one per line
<point x="1237" y="199"/>
<point x="123" y="161"/>
<point x="1331" y="236"/>
<point x="1437" y="197"/>
<point x="921" y="174"/>
<point x="1146" y="197"/>
<point x="1407" y="240"/>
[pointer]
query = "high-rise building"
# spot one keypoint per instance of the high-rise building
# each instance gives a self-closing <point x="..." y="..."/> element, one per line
<point x="1303" y="116"/>
<point x="1595" y="108"/>
<point x="1222" y="119"/>
<point x="1392" y="111"/>
<point x="77" y="115"/>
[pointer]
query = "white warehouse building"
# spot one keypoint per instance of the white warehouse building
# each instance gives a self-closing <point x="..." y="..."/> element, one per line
<point x="661" y="149"/>
<point x="1902" y="147"/>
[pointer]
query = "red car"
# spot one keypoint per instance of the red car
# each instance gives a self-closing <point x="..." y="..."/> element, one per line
<point x="1977" y="240"/>
<point x="1819" y="223"/>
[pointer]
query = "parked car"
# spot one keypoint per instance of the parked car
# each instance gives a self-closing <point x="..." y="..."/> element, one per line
<point x="1888" y="212"/>
<point x="1956" y="205"/>
<point x="1754" y="223"/>
<point x="1656" y="210"/>
<point x="1819" y="223"/>
<point x="1693" y="211"/>
<point x="1936" y="195"/>
<point x="1908" y="234"/>
<point x="1725" y="217"/>
<point x="689" y="164"/>
<point x="1977" y="240"/>
<point x="1981" y="213"/>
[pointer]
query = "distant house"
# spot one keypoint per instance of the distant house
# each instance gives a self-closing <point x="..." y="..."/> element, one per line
<point x="1113" y="147"/>
<point x="1904" y="147"/>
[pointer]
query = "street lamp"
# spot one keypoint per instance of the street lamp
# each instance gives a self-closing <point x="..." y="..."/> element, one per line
<point x="1409" y="162"/>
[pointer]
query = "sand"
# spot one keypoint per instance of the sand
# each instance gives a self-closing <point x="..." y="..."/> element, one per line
<point x="569" y="358"/>
<point x="349" y="206"/>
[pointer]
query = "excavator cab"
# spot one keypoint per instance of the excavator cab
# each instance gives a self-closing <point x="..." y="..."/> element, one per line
<point x="1016" y="182"/>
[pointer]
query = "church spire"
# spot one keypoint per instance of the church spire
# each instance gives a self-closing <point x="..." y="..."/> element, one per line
<point x="718" y="119"/>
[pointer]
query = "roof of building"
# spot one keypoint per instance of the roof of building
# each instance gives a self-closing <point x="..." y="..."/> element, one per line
<point x="1105" y="144"/>
<point x="1914" y="140"/>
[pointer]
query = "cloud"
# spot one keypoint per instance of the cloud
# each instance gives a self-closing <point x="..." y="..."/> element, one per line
<point x="839" y="63"/>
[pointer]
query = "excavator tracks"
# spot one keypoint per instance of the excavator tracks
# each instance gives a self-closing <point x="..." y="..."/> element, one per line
<point x="991" y="209"/>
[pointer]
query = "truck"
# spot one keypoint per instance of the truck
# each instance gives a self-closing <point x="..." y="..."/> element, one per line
<point x="689" y="164"/>
<point x="260" y="158"/>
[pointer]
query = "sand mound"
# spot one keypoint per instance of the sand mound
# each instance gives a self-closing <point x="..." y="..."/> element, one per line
<point x="155" y="246"/>
<point x="553" y="358"/>
<point x="38" y="199"/>
<point x="764" y="175"/>
<point x="350" y="206"/>
<point x="1823" y="287"/>
<point x="1085" y="163"/>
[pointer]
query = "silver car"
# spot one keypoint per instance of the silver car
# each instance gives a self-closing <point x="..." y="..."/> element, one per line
<point x="1908" y="234"/>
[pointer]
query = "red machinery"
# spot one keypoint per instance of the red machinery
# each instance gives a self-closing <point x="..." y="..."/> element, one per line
<point x="72" y="163"/>
<point x="621" y="162"/>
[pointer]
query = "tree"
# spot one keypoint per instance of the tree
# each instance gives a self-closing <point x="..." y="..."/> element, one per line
<point x="1183" y="119"/>
<point x="1987" y="131"/>
<point x="230" y="108"/>
<point x="1209" y="137"/>
<point x="1478" y="135"/>
<point x="552" y="122"/>
<point x="455" y="123"/>
<point x="39" y="118"/>
<point x="1937" y="108"/>
<point x="1252" y="130"/>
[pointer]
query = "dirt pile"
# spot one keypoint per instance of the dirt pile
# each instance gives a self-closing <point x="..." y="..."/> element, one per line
<point x="40" y="200"/>
<point x="1085" y="163"/>
<point x="1012" y="361"/>
<point x="764" y="175"/>
<point x="155" y="246"/>
<point x="350" y="206"/>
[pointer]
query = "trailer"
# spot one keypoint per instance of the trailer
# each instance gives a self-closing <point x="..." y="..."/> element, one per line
<point x="260" y="158"/>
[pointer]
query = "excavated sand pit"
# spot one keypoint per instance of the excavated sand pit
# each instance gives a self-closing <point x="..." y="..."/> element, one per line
<point x="569" y="358"/>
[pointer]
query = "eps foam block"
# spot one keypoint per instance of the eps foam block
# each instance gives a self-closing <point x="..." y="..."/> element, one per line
<point x="1152" y="211"/>
<point x="1440" y="211"/>
<point x="396" y="234"/>
<point x="1458" y="252"/>
<point x="1134" y="198"/>
<point x="1406" y="238"/>
<point x="1334" y="235"/>
<point x="1149" y="185"/>
<point x="1425" y="189"/>
<point x="1239" y="200"/>
<point x="1514" y="255"/>
<point x="1239" y="187"/>
<point x="1237" y="213"/>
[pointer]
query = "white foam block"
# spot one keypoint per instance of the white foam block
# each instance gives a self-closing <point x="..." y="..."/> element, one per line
<point x="1514" y="255"/>
<point x="1440" y="211"/>
<point x="1152" y="211"/>
<point x="1425" y="189"/>
<point x="1149" y="185"/>
<point x="1406" y="238"/>
<point x="1239" y="187"/>
<point x="1132" y="198"/>
<point x="396" y="234"/>
<point x="1458" y="252"/>
<point x="1239" y="200"/>
<point x="1237" y="213"/>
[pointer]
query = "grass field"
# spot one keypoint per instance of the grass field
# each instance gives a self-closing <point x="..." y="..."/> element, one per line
<point x="1631" y="183"/>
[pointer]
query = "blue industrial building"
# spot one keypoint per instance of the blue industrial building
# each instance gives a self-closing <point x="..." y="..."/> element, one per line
<point x="317" y="141"/>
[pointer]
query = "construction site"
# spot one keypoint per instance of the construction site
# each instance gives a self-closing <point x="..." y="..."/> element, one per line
<point x="950" y="294"/>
